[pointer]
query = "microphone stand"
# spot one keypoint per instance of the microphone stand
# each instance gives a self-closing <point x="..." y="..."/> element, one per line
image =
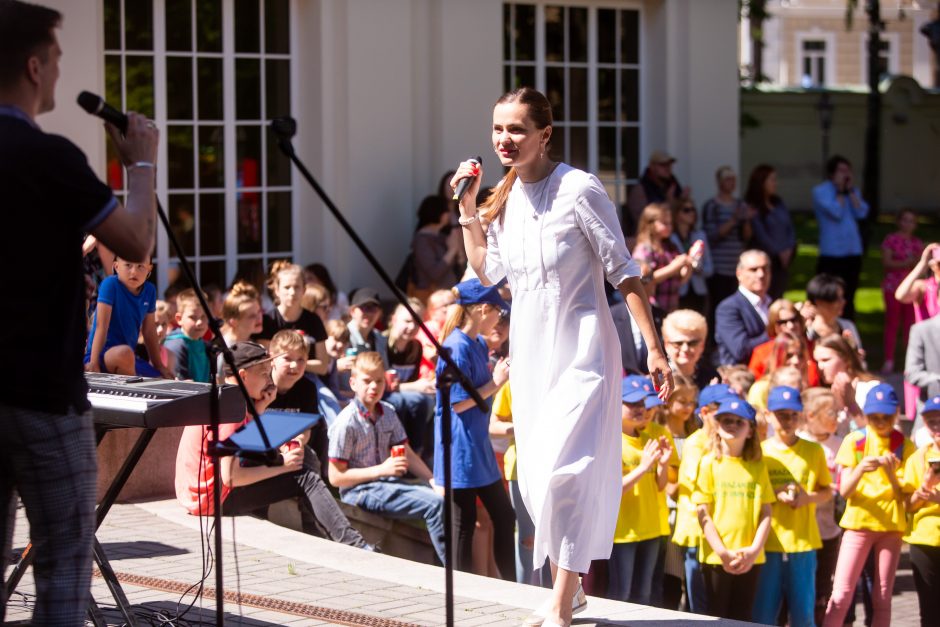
<point x="284" y="129"/>
<point x="217" y="346"/>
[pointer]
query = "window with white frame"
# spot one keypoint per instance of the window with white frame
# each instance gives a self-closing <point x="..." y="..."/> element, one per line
<point x="586" y="60"/>
<point x="813" y="63"/>
<point x="210" y="72"/>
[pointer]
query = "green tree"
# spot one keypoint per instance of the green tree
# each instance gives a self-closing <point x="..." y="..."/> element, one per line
<point x="756" y="13"/>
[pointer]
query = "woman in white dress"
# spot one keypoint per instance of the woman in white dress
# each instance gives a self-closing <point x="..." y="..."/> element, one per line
<point x="553" y="232"/>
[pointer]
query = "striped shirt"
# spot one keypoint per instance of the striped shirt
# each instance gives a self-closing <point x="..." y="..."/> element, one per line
<point x="725" y="250"/>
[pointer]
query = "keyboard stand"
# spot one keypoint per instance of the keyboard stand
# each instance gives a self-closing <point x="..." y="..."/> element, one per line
<point x="101" y="560"/>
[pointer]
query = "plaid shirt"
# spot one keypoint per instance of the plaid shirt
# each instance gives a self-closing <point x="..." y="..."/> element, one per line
<point x="363" y="439"/>
<point x="666" y="293"/>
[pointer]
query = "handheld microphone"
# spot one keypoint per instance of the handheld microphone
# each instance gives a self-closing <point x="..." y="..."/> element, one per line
<point x="95" y="105"/>
<point x="464" y="184"/>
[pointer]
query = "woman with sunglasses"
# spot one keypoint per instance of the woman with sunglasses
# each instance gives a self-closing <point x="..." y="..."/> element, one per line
<point x="684" y="335"/>
<point x="694" y="294"/>
<point x="782" y="317"/>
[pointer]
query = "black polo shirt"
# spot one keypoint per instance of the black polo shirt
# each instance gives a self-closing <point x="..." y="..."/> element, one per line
<point x="49" y="197"/>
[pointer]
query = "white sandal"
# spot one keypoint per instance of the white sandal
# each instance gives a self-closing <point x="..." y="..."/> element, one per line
<point x="537" y="618"/>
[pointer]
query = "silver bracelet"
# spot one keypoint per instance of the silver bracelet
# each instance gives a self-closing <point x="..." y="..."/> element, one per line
<point x="468" y="221"/>
<point x="138" y="164"/>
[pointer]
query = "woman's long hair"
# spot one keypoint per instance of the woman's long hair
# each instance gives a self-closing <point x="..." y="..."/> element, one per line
<point x="773" y="316"/>
<point x="787" y="344"/>
<point x="647" y="224"/>
<point x="756" y="196"/>
<point x="847" y="353"/>
<point x="431" y="210"/>
<point x="540" y="112"/>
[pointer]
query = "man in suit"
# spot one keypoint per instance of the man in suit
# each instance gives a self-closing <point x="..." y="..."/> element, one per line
<point x="741" y="319"/>
<point x="922" y="364"/>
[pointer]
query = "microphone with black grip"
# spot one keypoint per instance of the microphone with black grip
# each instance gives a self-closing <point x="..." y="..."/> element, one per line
<point x="95" y="105"/>
<point x="464" y="184"/>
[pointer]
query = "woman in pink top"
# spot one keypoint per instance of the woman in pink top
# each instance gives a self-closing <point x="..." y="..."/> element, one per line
<point x="922" y="294"/>
<point x="899" y="254"/>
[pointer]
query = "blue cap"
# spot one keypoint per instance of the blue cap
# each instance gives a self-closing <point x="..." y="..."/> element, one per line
<point x="714" y="393"/>
<point x="737" y="407"/>
<point x="932" y="404"/>
<point x="632" y="390"/>
<point x="784" y="397"/>
<point x="652" y="396"/>
<point x="881" y="399"/>
<point x="652" y="400"/>
<point x="473" y="292"/>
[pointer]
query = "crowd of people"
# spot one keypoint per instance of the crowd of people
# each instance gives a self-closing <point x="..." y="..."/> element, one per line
<point x="773" y="477"/>
<point x="763" y="473"/>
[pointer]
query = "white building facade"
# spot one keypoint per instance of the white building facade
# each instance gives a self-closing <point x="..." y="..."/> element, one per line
<point x="388" y="95"/>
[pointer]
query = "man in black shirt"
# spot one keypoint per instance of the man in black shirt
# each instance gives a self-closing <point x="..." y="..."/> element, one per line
<point x="50" y="199"/>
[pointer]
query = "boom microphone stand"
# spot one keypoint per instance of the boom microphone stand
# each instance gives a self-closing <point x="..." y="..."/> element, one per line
<point x="284" y="129"/>
<point x="95" y="105"/>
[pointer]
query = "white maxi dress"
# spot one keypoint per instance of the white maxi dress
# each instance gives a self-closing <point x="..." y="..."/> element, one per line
<point x="558" y="239"/>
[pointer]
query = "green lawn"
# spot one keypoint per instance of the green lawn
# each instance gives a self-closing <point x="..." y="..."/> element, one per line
<point x="869" y="305"/>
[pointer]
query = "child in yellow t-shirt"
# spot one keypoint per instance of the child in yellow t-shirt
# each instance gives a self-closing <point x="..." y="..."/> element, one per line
<point x="655" y="417"/>
<point x="688" y="533"/>
<point x="872" y="460"/>
<point x="800" y="479"/>
<point x="921" y="478"/>
<point x="645" y="461"/>
<point x="501" y="426"/>
<point x="733" y="494"/>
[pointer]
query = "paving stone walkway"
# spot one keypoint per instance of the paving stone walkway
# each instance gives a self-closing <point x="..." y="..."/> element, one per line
<point x="288" y="578"/>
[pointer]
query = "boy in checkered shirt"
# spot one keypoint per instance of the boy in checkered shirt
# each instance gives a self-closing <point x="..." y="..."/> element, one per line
<point x="361" y="464"/>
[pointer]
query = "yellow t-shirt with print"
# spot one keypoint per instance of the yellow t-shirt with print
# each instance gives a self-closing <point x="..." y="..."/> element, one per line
<point x="656" y="430"/>
<point x="688" y="532"/>
<point x="736" y="489"/>
<point x="794" y="530"/>
<point x="873" y="505"/>
<point x="925" y="525"/>
<point x="639" y="506"/>
<point x="502" y="407"/>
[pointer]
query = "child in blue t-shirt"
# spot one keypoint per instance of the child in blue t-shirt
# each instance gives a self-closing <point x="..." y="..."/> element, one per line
<point x="475" y="473"/>
<point x="125" y="310"/>
<point x="186" y="343"/>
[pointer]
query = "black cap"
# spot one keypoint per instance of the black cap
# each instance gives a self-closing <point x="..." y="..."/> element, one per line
<point x="247" y="354"/>
<point x="363" y="296"/>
